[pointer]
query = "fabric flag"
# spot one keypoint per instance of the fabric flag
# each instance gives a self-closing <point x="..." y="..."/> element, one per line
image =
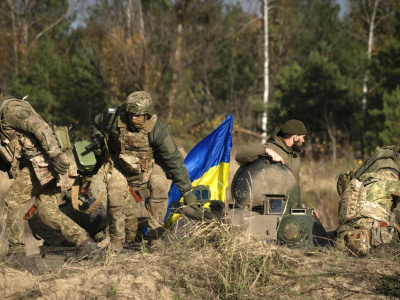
<point x="208" y="163"/>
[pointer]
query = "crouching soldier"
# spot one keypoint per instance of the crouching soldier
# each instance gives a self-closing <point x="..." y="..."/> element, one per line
<point x="142" y="153"/>
<point x="34" y="158"/>
<point x="366" y="217"/>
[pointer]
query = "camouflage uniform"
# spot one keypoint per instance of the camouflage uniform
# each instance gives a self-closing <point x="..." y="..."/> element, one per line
<point x="276" y="143"/>
<point x="365" y="213"/>
<point x="141" y="158"/>
<point x="35" y="156"/>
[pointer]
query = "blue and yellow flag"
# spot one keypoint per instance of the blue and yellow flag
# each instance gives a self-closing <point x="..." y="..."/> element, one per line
<point x="208" y="164"/>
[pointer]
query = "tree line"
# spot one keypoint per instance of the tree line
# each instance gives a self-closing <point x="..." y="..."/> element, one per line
<point x="336" y="70"/>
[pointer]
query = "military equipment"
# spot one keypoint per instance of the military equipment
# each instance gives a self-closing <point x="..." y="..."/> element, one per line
<point x="266" y="198"/>
<point x="253" y="182"/>
<point x="97" y="144"/>
<point x="140" y="103"/>
<point x="85" y="159"/>
<point x="302" y="228"/>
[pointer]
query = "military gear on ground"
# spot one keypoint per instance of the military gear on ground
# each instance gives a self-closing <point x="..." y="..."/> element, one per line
<point x="60" y="163"/>
<point x="294" y="127"/>
<point x="140" y="103"/>
<point x="302" y="228"/>
<point x="252" y="182"/>
<point x="291" y="157"/>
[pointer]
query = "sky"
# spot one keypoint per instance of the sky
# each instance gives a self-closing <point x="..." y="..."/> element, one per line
<point x="250" y="6"/>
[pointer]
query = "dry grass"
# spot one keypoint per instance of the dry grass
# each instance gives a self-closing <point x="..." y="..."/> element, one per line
<point x="207" y="261"/>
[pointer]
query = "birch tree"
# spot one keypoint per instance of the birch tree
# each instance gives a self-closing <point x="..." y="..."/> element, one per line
<point x="264" y="120"/>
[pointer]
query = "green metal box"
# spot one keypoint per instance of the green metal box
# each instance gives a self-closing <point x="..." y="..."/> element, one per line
<point x="85" y="160"/>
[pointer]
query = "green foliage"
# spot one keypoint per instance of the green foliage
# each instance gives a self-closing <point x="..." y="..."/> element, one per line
<point x="390" y="135"/>
<point x="202" y="59"/>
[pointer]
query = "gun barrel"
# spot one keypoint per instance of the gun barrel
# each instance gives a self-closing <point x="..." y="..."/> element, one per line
<point x="92" y="146"/>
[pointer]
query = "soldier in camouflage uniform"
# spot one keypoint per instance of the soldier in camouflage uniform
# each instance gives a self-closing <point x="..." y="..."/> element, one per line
<point x="141" y="152"/>
<point x="33" y="154"/>
<point x="366" y="215"/>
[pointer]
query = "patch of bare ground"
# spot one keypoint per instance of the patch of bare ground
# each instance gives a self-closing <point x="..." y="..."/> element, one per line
<point x="207" y="261"/>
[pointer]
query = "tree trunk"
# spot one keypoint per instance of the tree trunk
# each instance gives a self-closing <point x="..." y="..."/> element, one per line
<point x="264" y="120"/>
<point x="175" y="70"/>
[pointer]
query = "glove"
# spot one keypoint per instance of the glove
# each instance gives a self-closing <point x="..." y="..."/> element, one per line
<point x="60" y="163"/>
<point x="189" y="198"/>
<point x="97" y="136"/>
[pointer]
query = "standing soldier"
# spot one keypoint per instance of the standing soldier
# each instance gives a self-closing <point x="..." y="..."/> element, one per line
<point x="34" y="158"/>
<point x="142" y="153"/>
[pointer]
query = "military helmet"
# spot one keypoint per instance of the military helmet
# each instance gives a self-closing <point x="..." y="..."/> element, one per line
<point x="140" y="103"/>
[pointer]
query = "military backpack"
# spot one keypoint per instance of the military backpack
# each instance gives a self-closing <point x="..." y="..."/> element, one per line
<point x="385" y="157"/>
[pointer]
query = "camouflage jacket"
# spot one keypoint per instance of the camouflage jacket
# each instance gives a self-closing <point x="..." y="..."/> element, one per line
<point x="21" y="123"/>
<point x="291" y="158"/>
<point x="381" y="190"/>
<point x="163" y="146"/>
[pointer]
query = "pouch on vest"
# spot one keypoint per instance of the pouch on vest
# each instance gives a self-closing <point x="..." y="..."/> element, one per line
<point x="380" y="235"/>
<point x="358" y="240"/>
<point x="62" y="135"/>
<point x="348" y="204"/>
<point x="130" y="164"/>
<point x="40" y="165"/>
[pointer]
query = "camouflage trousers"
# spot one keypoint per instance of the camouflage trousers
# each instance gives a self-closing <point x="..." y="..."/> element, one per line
<point x="23" y="189"/>
<point x="123" y="221"/>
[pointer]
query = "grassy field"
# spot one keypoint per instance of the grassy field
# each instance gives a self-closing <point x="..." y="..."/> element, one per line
<point x="210" y="262"/>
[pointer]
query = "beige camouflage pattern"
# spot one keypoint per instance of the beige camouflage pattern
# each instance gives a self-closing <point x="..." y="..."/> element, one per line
<point x="42" y="169"/>
<point x="368" y="208"/>
<point x="36" y="144"/>
<point x="119" y="207"/>
<point x="140" y="103"/>
<point x="26" y="186"/>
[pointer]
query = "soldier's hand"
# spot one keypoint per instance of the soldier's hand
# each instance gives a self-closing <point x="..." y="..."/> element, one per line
<point x="189" y="198"/>
<point x="97" y="136"/>
<point x="60" y="163"/>
<point x="274" y="156"/>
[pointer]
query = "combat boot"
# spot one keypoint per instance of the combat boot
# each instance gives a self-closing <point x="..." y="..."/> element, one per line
<point x="88" y="249"/>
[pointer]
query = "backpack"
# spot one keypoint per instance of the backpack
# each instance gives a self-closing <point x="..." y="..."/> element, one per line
<point x="385" y="157"/>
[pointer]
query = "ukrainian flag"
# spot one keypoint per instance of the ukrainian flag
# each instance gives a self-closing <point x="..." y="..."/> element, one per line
<point x="207" y="164"/>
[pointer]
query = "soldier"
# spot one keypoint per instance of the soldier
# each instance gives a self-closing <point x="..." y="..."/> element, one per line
<point x="284" y="146"/>
<point x="142" y="154"/>
<point x="34" y="158"/>
<point x="366" y="215"/>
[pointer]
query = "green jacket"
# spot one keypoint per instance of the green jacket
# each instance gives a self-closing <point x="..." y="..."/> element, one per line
<point x="291" y="158"/>
<point x="164" y="148"/>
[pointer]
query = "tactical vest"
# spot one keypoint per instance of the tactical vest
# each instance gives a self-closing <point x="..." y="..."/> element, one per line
<point x="135" y="153"/>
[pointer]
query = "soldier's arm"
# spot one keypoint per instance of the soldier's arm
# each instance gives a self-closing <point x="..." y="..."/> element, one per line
<point x="22" y="117"/>
<point x="393" y="188"/>
<point x="95" y="128"/>
<point x="249" y="154"/>
<point x="166" y="148"/>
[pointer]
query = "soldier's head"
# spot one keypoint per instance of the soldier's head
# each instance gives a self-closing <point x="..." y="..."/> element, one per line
<point x="293" y="133"/>
<point x="140" y="107"/>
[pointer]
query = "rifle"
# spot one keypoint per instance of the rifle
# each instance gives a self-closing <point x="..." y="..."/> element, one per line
<point x="97" y="144"/>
